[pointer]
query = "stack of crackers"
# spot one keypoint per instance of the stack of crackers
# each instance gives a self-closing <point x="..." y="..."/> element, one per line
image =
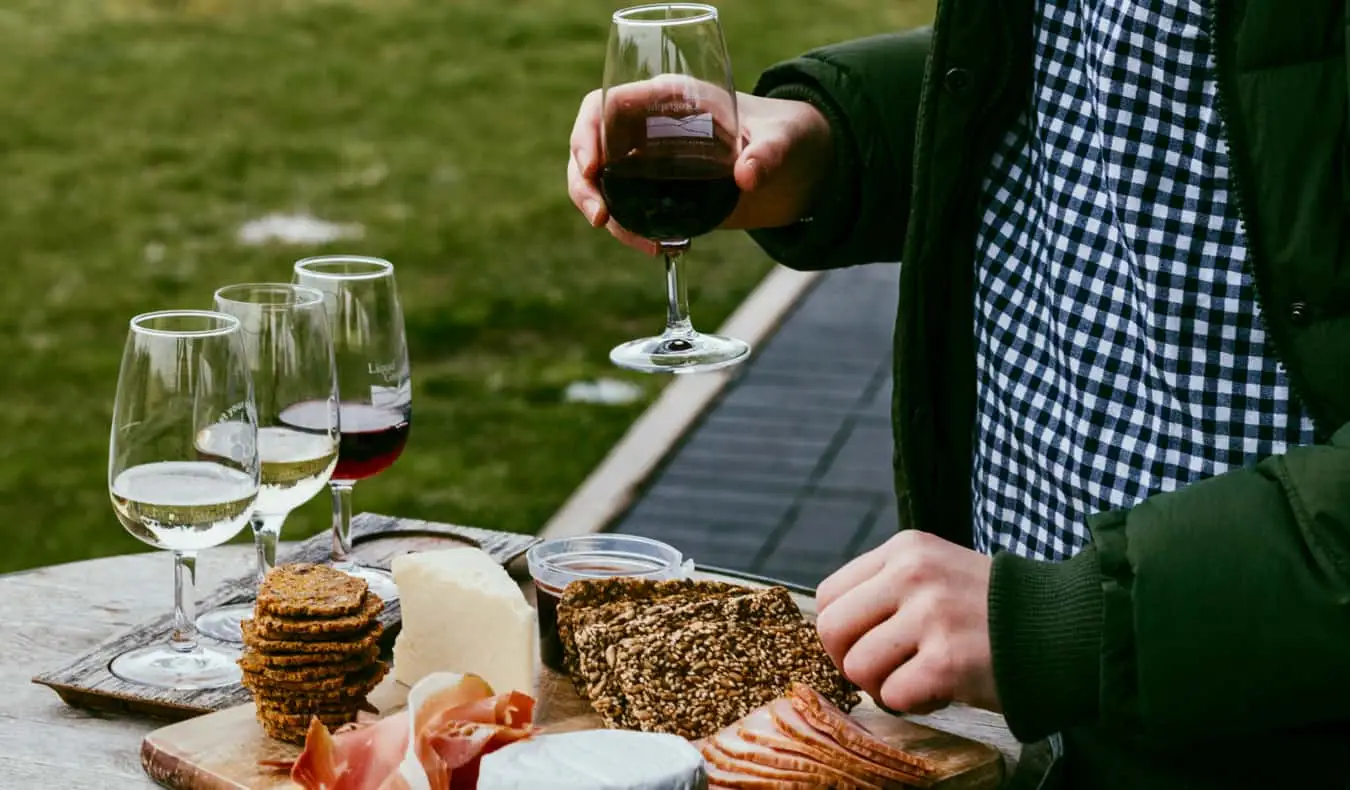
<point x="311" y="649"/>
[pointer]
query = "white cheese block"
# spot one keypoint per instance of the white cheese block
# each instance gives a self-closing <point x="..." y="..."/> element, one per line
<point x="595" y="760"/>
<point x="463" y="613"/>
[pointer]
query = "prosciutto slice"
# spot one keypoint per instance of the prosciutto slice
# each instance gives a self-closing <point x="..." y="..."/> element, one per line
<point x="434" y="744"/>
<point x="722" y="779"/>
<point x="821" y="714"/>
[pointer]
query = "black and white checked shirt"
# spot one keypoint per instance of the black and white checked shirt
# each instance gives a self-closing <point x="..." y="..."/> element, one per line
<point x="1119" y="346"/>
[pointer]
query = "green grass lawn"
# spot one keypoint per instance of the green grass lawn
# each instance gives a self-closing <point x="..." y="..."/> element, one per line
<point x="137" y="135"/>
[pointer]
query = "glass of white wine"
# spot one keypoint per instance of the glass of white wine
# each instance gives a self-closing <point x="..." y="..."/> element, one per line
<point x="290" y="359"/>
<point x="183" y="372"/>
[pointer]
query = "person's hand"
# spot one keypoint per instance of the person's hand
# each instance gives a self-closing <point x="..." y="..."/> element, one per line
<point x="786" y="152"/>
<point x="908" y="622"/>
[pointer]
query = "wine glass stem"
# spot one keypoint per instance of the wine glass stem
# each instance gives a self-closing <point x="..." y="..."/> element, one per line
<point x="184" y="638"/>
<point x="342" y="524"/>
<point x="677" y="298"/>
<point x="266" y="533"/>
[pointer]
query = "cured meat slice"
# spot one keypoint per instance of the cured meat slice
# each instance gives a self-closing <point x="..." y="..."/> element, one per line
<point x="791" y="732"/>
<point x="712" y="755"/>
<point x="435" y="744"/>
<point x="721" y="779"/>
<point x="825" y="717"/>
<point x="757" y="739"/>
<point x="762" y="729"/>
<point x="731" y="743"/>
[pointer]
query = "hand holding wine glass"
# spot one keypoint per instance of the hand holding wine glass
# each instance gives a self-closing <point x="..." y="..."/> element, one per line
<point x="183" y="372"/>
<point x="786" y="154"/>
<point x="365" y="321"/>
<point x="671" y="139"/>
<point x="284" y="329"/>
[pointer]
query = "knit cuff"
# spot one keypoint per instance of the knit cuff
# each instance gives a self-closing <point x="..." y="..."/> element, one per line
<point x="1045" y="628"/>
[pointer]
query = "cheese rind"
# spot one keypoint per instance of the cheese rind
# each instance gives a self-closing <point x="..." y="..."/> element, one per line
<point x="595" y="760"/>
<point x="462" y="612"/>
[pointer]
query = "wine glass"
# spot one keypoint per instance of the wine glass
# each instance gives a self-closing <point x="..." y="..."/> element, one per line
<point x="366" y="323"/>
<point x="290" y="357"/>
<point x="183" y="372"/>
<point x="671" y="137"/>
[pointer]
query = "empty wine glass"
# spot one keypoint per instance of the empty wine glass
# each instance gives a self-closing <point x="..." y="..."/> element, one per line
<point x="671" y="138"/>
<point x="365" y="320"/>
<point x="183" y="372"/>
<point x="290" y="356"/>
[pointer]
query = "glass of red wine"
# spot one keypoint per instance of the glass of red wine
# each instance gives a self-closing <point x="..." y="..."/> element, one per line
<point x="374" y="384"/>
<point x="671" y="138"/>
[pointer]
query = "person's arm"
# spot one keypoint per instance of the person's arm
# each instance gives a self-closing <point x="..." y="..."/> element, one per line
<point x="1220" y="609"/>
<point x="869" y="91"/>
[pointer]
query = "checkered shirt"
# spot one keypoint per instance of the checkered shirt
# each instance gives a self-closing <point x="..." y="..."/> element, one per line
<point x="1119" y="343"/>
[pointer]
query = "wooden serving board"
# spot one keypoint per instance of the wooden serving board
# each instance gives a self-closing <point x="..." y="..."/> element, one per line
<point x="86" y="681"/>
<point x="221" y="751"/>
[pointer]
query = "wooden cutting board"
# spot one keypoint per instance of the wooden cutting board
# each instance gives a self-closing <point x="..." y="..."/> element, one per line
<point x="221" y="751"/>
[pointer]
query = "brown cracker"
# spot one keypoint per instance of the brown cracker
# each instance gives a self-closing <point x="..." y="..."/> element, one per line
<point x="299" y="705"/>
<point x="251" y="665"/>
<point x="254" y="661"/>
<point x="300" y="721"/>
<point x="270" y="626"/>
<point x="281" y="732"/>
<point x="361" y="641"/>
<point x="587" y="601"/>
<point x="308" y="590"/>
<point x="355" y="683"/>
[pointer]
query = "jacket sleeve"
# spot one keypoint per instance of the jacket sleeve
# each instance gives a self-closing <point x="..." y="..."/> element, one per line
<point x="1219" y="610"/>
<point x="869" y="91"/>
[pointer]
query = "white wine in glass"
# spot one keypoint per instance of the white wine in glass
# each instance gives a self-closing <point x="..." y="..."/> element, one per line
<point x="290" y="358"/>
<point x="183" y="372"/>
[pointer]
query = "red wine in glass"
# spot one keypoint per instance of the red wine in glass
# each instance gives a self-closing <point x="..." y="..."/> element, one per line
<point x="371" y="439"/>
<point x="670" y="197"/>
<point x="671" y="138"/>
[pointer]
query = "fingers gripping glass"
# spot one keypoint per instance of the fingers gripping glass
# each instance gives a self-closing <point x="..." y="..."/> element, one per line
<point x="290" y="357"/>
<point x="183" y="372"/>
<point x="671" y="138"/>
<point x="365" y="321"/>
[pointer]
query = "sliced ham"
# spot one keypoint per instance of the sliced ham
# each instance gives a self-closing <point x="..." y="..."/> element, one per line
<point x="757" y="731"/>
<point x="730" y="742"/>
<point x="719" y="779"/>
<point x="794" y="733"/>
<point x="712" y="755"/>
<point x="435" y="744"/>
<point x="821" y="714"/>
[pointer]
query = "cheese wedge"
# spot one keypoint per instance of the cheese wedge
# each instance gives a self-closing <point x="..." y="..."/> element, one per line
<point x="595" y="760"/>
<point x="463" y="613"/>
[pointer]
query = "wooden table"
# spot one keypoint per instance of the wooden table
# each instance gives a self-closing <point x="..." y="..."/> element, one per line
<point x="49" y="615"/>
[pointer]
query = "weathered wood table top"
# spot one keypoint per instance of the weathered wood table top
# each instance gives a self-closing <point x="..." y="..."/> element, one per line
<point x="50" y="615"/>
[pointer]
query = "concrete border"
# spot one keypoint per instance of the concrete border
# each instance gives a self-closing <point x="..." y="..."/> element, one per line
<point x="610" y="488"/>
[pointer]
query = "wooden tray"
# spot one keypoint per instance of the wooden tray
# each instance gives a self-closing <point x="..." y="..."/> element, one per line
<point x="86" y="682"/>
<point x="221" y="751"/>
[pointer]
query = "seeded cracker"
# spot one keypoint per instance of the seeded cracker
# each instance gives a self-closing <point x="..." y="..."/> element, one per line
<point x="690" y="662"/>
<point x="359" y="642"/>
<point x="253" y="661"/>
<point x="269" y="626"/>
<point x="306" y="590"/>
<point x="251" y="664"/>
<point x="595" y="600"/>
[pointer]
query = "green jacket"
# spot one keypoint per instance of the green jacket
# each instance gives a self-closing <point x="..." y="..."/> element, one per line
<point x="1203" y="639"/>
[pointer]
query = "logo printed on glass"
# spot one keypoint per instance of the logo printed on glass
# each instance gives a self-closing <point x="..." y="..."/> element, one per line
<point x="697" y="126"/>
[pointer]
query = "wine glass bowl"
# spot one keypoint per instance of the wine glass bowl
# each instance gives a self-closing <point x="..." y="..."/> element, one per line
<point x="670" y="136"/>
<point x="370" y="348"/>
<point x="183" y="373"/>
<point x="284" y="330"/>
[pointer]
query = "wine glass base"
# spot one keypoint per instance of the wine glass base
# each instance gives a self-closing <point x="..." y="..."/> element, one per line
<point x="163" y="667"/>
<point x="223" y="624"/>
<point x="380" y="582"/>
<point x="680" y="353"/>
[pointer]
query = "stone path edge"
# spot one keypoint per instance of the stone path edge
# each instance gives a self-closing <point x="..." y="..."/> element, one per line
<point x="613" y="485"/>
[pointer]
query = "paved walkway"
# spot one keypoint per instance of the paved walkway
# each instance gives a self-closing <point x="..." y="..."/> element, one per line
<point x="789" y="474"/>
